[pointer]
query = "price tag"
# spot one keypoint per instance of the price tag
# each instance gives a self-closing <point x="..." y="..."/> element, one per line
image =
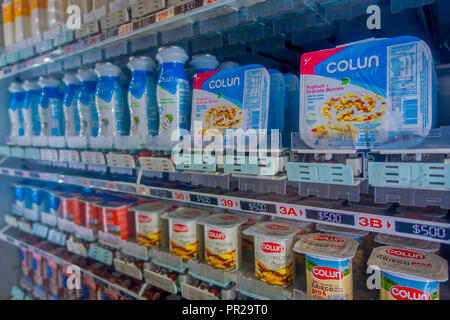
<point x="40" y="230"/>
<point x="165" y="14"/>
<point x="128" y="188"/>
<point x="289" y="211"/>
<point x="202" y="199"/>
<point x="331" y="217"/>
<point x="228" y="203"/>
<point x="186" y="7"/>
<point x="258" y="207"/>
<point x="161" y="193"/>
<point x="57" y="237"/>
<point x="425" y="230"/>
<point x="181" y="196"/>
<point x="373" y="223"/>
<point x="126" y="28"/>
<point x="144" y="22"/>
<point x="100" y="254"/>
<point x="109" y="34"/>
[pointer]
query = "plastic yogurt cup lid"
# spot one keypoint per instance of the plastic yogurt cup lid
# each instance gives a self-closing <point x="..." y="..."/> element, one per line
<point x="223" y="220"/>
<point x="301" y="224"/>
<point x="151" y="207"/>
<point x="185" y="214"/>
<point x="427" y="211"/>
<point x="327" y="246"/>
<point x="409" y="263"/>
<point x="273" y="230"/>
<point x="415" y="244"/>
<point x="341" y="230"/>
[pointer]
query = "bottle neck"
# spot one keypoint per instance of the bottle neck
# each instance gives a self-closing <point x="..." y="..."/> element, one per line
<point x="175" y="66"/>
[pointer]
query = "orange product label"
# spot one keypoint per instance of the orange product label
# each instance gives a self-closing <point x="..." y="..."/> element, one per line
<point x="38" y="4"/>
<point x="8" y="13"/>
<point x="21" y="8"/>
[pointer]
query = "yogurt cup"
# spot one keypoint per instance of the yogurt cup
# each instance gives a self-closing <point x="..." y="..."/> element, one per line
<point x="223" y="240"/>
<point x="274" y="258"/>
<point x="408" y="274"/>
<point x="184" y="234"/>
<point x="252" y="219"/>
<point x="328" y="265"/>
<point x="409" y="243"/>
<point x="116" y="218"/>
<point x="90" y="212"/>
<point x="69" y="205"/>
<point x="148" y="223"/>
<point x="358" y="235"/>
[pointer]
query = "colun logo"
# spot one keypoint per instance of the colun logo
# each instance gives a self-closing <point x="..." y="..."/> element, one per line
<point x="216" y="235"/>
<point x="144" y="219"/>
<point x="180" y="228"/>
<point x="326" y="273"/>
<point x="406" y="293"/>
<point x="405" y="254"/>
<point x="250" y="222"/>
<point x="225" y="83"/>
<point x="324" y="237"/>
<point x="361" y="63"/>
<point x="271" y="247"/>
<point x="276" y="227"/>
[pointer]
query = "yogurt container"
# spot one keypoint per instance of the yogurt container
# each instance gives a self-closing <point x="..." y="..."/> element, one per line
<point x="328" y="265"/>
<point x="87" y="110"/>
<point x="50" y="108"/>
<point x="204" y="63"/>
<point x="274" y="258"/>
<point x="70" y="104"/>
<point x="32" y="125"/>
<point x="109" y="101"/>
<point x="149" y="224"/>
<point x="252" y="219"/>
<point x="236" y="98"/>
<point x="142" y="98"/>
<point x="69" y="205"/>
<point x="90" y="211"/>
<point x="409" y="243"/>
<point x="184" y="233"/>
<point x="277" y="103"/>
<point x="223" y="241"/>
<point x="358" y="235"/>
<point x="173" y="94"/>
<point x="408" y="274"/>
<point x="117" y="220"/>
<point x="15" y="109"/>
<point x="368" y="94"/>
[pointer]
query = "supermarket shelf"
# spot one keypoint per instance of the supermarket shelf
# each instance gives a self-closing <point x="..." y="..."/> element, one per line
<point x="420" y="229"/>
<point x="12" y="236"/>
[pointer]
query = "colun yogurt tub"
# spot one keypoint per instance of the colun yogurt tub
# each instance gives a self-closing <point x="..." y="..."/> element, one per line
<point x="184" y="233"/>
<point x="223" y="240"/>
<point x="274" y="258"/>
<point x="328" y="265"/>
<point x="252" y="219"/>
<point x="148" y="223"/>
<point x="116" y="218"/>
<point x="409" y="243"/>
<point x="408" y="274"/>
<point x="366" y="94"/>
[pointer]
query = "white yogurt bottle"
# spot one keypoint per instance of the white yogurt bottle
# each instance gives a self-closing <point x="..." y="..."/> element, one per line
<point x="15" y="109"/>
<point x="32" y="126"/>
<point x="142" y="98"/>
<point x="22" y="18"/>
<point x="50" y="108"/>
<point x="173" y="93"/>
<point x="70" y="103"/>
<point x="86" y="103"/>
<point x="9" y="26"/>
<point x="109" y="101"/>
<point x="39" y="18"/>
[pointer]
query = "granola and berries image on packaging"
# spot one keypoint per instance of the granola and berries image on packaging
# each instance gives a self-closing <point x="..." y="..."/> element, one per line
<point x="368" y="94"/>
<point x="231" y="99"/>
<point x="184" y="233"/>
<point x="223" y="240"/>
<point x="274" y="258"/>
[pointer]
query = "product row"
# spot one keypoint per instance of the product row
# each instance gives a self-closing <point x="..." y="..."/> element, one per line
<point x="357" y="96"/>
<point x="334" y="258"/>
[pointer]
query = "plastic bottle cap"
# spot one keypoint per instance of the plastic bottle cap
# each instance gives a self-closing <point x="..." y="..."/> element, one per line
<point x="229" y="64"/>
<point x="107" y="70"/>
<point x="15" y="87"/>
<point x="204" y="61"/>
<point x="141" y="63"/>
<point x="30" y="85"/>
<point x="49" y="82"/>
<point x="70" y="78"/>
<point x="171" y="54"/>
<point x="87" y="75"/>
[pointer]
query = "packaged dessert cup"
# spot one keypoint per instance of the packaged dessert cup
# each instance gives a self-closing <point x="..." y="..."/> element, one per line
<point x="252" y="219"/>
<point x="90" y="211"/>
<point x="408" y="243"/>
<point x="117" y="220"/>
<point x="358" y="235"/>
<point x="408" y="274"/>
<point x="184" y="233"/>
<point x="328" y="265"/>
<point x="223" y="240"/>
<point x="274" y="258"/>
<point x="69" y="205"/>
<point x="148" y="223"/>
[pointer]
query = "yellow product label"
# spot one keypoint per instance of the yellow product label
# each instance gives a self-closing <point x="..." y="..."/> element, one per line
<point x="21" y="8"/>
<point x="148" y="229"/>
<point x="222" y="248"/>
<point x="183" y="239"/>
<point x="38" y="4"/>
<point x="8" y="13"/>
<point x="329" y="279"/>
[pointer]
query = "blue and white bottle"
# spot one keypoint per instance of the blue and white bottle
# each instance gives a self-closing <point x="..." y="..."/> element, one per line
<point x="86" y="103"/>
<point x="32" y="125"/>
<point x="142" y="98"/>
<point x="50" y="108"/>
<point x="70" y="103"/>
<point x="15" y="109"/>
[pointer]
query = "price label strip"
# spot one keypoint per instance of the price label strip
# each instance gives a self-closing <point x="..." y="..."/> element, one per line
<point x="425" y="230"/>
